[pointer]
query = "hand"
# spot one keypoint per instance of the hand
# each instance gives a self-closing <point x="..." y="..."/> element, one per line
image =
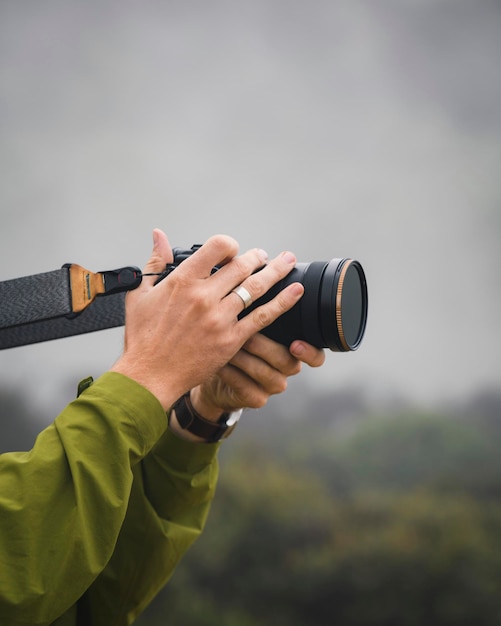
<point x="259" y="370"/>
<point x="181" y="331"/>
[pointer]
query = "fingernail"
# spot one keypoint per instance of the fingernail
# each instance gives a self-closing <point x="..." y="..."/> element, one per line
<point x="297" y="349"/>
<point x="263" y="255"/>
<point x="289" y="258"/>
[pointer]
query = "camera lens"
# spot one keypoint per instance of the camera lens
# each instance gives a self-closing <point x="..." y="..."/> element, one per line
<point x="333" y="310"/>
<point x="352" y="306"/>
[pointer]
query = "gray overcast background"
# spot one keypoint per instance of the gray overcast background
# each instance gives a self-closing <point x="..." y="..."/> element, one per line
<point x="362" y="128"/>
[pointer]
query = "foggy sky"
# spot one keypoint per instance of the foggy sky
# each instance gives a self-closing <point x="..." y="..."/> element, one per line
<point x="368" y="129"/>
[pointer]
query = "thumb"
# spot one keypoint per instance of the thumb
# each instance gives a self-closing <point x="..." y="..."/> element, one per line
<point x="160" y="255"/>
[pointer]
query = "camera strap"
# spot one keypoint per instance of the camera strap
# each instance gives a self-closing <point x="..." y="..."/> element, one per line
<point x="64" y="302"/>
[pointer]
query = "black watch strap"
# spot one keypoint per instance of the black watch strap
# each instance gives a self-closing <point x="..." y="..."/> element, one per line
<point x="190" y="420"/>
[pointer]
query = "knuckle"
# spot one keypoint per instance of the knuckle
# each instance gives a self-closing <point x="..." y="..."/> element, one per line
<point x="294" y="369"/>
<point x="200" y="299"/>
<point x="278" y="268"/>
<point x="283" y="385"/>
<point x="220" y="248"/>
<point x="262" y="316"/>
<point x="279" y="385"/>
<point x="242" y="265"/>
<point x="282" y="302"/>
<point x="225" y="242"/>
<point x="253" y="285"/>
<point x="259" y="400"/>
<point x="318" y="360"/>
<point x="248" y="263"/>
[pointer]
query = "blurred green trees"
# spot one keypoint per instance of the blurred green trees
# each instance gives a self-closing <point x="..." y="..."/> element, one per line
<point x="396" y="524"/>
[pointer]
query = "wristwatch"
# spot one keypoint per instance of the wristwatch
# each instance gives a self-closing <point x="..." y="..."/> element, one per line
<point x="193" y="422"/>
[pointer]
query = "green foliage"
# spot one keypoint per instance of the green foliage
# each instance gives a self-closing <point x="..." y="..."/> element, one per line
<point x="391" y="526"/>
<point x="409" y="451"/>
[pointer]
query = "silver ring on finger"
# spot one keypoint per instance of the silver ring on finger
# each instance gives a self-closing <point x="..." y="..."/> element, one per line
<point x="244" y="295"/>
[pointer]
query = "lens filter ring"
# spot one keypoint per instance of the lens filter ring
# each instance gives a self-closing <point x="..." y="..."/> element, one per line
<point x="339" y="306"/>
<point x="351" y="305"/>
<point x="343" y="305"/>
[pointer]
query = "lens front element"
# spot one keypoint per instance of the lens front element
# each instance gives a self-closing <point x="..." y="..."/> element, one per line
<point x="351" y="305"/>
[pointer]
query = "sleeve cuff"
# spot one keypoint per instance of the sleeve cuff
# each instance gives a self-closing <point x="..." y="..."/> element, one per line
<point x="134" y="400"/>
<point x="184" y="455"/>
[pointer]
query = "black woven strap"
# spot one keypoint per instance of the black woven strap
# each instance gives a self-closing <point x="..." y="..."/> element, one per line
<point x="33" y="298"/>
<point x="42" y="307"/>
<point x="107" y="312"/>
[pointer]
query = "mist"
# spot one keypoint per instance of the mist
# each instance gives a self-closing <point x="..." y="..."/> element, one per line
<point x="351" y="128"/>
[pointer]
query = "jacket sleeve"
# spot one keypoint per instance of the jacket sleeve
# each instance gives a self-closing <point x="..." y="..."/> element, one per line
<point x="170" y="499"/>
<point x="63" y="504"/>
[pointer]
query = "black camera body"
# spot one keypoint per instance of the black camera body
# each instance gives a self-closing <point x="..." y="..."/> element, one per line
<point x="332" y="312"/>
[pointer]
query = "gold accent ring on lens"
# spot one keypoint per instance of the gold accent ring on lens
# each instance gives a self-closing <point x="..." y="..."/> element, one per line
<point x="339" y="298"/>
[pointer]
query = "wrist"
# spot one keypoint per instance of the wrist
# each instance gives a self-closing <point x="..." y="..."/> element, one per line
<point x="203" y="406"/>
<point x="181" y="432"/>
<point x="165" y="394"/>
<point x="188" y="423"/>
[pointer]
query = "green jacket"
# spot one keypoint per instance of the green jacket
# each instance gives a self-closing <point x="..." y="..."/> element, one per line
<point x="94" y="519"/>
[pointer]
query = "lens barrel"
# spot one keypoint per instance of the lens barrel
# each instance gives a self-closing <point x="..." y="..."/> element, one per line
<point x="333" y="310"/>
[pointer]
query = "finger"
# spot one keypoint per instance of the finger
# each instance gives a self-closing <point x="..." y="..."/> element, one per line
<point x="161" y="255"/>
<point x="305" y="352"/>
<point x="241" y="390"/>
<point x="238" y="269"/>
<point x="267" y="313"/>
<point x="261" y="372"/>
<point x="217" y="250"/>
<point x="273" y="353"/>
<point x="258" y="283"/>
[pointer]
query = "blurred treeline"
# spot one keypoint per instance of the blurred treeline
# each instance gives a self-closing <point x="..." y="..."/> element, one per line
<point x="351" y="518"/>
<point x="328" y="512"/>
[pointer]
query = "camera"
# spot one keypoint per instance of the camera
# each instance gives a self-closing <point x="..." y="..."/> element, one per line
<point x="332" y="312"/>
